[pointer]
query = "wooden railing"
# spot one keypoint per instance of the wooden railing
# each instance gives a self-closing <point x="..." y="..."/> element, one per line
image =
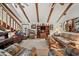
<point x="6" y="26"/>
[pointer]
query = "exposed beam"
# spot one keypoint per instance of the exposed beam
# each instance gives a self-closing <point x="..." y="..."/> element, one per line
<point x="5" y="7"/>
<point x="73" y="18"/>
<point x="12" y="12"/>
<point x="37" y="12"/>
<point x="65" y="11"/>
<point x="52" y="8"/>
<point x="23" y="12"/>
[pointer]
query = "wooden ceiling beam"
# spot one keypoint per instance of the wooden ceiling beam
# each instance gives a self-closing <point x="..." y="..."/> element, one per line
<point x="65" y="11"/>
<point x="12" y="12"/>
<point x="6" y="8"/>
<point x="23" y="12"/>
<point x="52" y="8"/>
<point x="36" y="4"/>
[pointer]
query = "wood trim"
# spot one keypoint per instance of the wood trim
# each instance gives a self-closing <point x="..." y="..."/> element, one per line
<point x="2" y="28"/>
<point x="65" y="11"/>
<point x="23" y="12"/>
<point x="50" y="12"/>
<point x="4" y="25"/>
<point x="8" y="27"/>
<point x="37" y="12"/>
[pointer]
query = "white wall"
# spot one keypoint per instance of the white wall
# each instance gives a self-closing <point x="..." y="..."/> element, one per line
<point x="72" y="12"/>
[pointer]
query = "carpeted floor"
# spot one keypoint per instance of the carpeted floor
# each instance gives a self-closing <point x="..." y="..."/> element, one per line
<point x="40" y="44"/>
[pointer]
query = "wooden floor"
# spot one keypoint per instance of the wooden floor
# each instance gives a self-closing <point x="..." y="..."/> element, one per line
<point x="40" y="44"/>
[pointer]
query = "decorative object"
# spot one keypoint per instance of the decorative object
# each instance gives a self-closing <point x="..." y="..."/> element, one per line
<point x="33" y="26"/>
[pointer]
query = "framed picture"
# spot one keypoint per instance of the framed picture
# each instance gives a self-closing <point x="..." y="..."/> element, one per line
<point x="33" y="26"/>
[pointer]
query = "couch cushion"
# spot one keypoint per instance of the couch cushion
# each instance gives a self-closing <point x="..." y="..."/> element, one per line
<point x="57" y="52"/>
<point x="25" y="52"/>
<point x="11" y="49"/>
<point x="18" y="48"/>
<point x="4" y="53"/>
<point x="14" y="49"/>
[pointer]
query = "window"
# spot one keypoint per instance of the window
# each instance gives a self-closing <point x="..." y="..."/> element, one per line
<point x="8" y="19"/>
<point x="12" y="22"/>
<point x="4" y="16"/>
<point x="19" y="27"/>
<point x="16" y="25"/>
<point x="0" y="12"/>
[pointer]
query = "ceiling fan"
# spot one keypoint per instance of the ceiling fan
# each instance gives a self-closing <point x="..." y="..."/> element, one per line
<point x="26" y="4"/>
<point x="61" y="3"/>
<point x="16" y="4"/>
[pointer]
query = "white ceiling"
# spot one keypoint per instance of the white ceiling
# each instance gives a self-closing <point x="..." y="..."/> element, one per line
<point x="44" y="10"/>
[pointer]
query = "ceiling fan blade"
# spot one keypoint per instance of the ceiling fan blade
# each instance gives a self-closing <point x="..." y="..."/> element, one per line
<point x="15" y="5"/>
<point x="26" y="4"/>
<point x="61" y="3"/>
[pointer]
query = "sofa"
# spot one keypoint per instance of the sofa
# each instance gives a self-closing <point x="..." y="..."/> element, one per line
<point x="69" y="35"/>
<point x="15" y="50"/>
<point x="68" y="41"/>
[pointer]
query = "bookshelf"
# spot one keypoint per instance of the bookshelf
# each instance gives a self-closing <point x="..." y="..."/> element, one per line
<point x="42" y="31"/>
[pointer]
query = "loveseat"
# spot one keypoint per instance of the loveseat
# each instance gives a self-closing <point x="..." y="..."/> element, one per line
<point x="69" y="43"/>
<point x="15" y="50"/>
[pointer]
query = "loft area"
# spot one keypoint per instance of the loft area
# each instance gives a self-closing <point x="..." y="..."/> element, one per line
<point x="39" y="29"/>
